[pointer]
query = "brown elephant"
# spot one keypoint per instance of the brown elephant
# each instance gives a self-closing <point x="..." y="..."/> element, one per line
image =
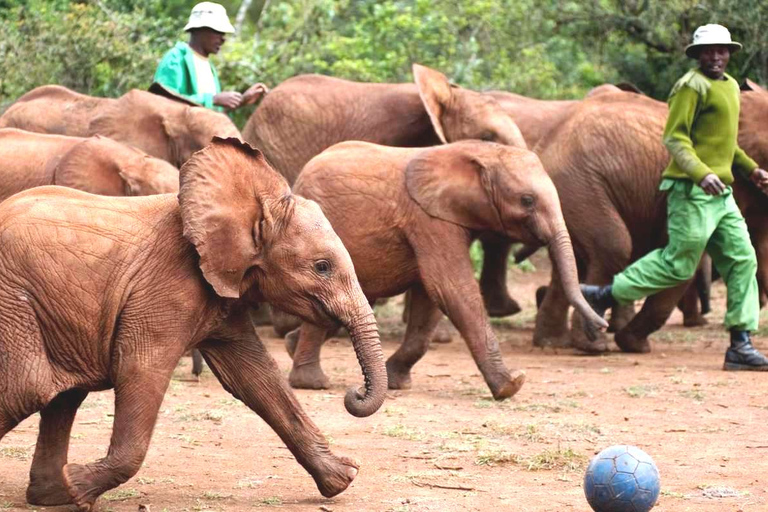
<point x="97" y="165"/>
<point x="103" y="292"/>
<point x="606" y="158"/>
<point x="161" y="127"/>
<point x="309" y="113"/>
<point x="407" y="217"/>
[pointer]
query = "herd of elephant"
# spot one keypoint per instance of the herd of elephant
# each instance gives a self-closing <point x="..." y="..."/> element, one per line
<point x="356" y="192"/>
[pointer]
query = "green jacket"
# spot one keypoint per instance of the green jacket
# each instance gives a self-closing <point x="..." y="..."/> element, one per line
<point x="702" y="129"/>
<point x="176" y="71"/>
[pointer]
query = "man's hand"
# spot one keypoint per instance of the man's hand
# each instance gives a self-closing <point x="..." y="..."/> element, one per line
<point x="712" y="185"/>
<point x="254" y="93"/>
<point x="229" y="99"/>
<point x="760" y="178"/>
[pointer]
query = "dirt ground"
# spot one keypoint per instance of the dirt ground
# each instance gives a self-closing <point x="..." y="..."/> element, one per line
<point x="445" y="445"/>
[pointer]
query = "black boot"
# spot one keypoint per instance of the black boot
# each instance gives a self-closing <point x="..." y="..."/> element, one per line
<point x="599" y="297"/>
<point x="742" y="355"/>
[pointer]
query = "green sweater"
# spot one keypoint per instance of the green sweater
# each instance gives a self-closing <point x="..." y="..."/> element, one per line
<point x="702" y="129"/>
<point x="176" y="71"/>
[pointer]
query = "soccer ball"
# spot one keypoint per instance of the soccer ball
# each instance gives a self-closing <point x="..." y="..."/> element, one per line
<point x="622" y="479"/>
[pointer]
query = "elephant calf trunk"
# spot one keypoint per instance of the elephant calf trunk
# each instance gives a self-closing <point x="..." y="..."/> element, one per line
<point x="365" y="339"/>
<point x="562" y="252"/>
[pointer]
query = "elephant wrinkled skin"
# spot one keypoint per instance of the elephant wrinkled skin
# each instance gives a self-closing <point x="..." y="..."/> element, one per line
<point x="161" y="127"/>
<point x="407" y="217"/>
<point x="102" y="292"/>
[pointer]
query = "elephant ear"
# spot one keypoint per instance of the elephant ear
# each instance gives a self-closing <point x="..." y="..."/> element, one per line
<point x="453" y="185"/>
<point x="749" y="85"/>
<point x="435" y="93"/>
<point x="225" y="193"/>
<point x="138" y="119"/>
<point x="90" y="166"/>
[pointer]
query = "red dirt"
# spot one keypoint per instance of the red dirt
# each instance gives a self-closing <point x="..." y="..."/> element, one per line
<point x="445" y="445"/>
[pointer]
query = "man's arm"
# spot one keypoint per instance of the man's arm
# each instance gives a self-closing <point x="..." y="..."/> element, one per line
<point x="170" y="73"/>
<point x="742" y="162"/>
<point x="677" y="134"/>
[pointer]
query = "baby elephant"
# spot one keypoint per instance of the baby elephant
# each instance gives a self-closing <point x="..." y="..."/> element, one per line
<point x="106" y="292"/>
<point x="95" y="164"/>
<point x="407" y="217"/>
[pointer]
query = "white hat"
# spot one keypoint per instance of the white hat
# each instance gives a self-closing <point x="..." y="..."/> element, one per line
<point x="211" y="15"/>
<point x="711" y="34"/>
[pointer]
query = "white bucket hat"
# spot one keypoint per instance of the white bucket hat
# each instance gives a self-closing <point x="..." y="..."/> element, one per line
<point x="711" y="34"/>
<point x="210" y="15"/>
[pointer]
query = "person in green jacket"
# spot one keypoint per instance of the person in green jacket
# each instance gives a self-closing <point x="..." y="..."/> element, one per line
<point x="701" y="136"/>
<point x="185" y="69"/>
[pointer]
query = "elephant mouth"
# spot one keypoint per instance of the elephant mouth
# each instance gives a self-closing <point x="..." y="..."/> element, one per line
<point x="323" y="314"/>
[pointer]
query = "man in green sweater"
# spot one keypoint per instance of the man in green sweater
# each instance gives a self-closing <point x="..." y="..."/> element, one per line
<point x="185" y="69"/>
<point x="701" y="135"/>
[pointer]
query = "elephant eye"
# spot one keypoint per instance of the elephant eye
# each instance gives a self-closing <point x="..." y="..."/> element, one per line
<point x="527" y="200"/>
<point x="488" y="137"/>
<point x="323" y="267"/>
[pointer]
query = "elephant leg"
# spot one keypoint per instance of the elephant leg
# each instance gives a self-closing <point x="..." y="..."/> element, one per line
<point x="447" y="276"/>
<point x="283" y="322"/>
<point x="46" y="479"/>
<point x="493" y="279"/>
<point x="138" y="395"/>
<point x="621" y="315"/>
<point x="423" y="316"/>
<point x="552" y="316"/>
<point x="651" y="317"/>
<point x="689" y="305"/>
<point x="246" y="370"/>
<point x="704" y="283"/>
<point x="197" y="363"/>
<point x="306" y="372"/>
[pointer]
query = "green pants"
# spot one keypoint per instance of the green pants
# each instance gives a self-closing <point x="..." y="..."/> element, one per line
<point x="698" y="222"/>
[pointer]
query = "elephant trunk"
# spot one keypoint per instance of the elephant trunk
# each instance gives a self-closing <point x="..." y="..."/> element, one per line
<point x="562" y="253"/>
<point x="365" y="339"/>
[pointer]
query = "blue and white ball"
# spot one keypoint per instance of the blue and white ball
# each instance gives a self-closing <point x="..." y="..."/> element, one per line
<point x="622" y="479"/>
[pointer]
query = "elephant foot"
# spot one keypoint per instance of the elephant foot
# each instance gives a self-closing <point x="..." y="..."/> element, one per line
<point x="561" y="341"/>
<point x="499" y="304"/>
<point x="629" y="342"/>
<point x="397" y="378"/>
<point x="694" y="320"/>
<point x="79" y="482"/>
<point x="309" y="376"/>
<point x="291" y="340"/>
<point x="599" y="346"/>
<point x="48" y="490"/>
<point x="508" y="387"/>
<point x="334" y="478"/>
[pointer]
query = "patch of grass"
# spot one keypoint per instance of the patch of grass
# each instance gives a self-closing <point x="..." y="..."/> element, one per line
<point x="186" y="439"/>
<point x="694" y="394"/>
<point x="213" y="415"/>
<point x="213" y="495"/>
<point x="532" y="434"/>
<point x="145" y="481"/>
<point x="272" y="501"/>
<point x="606" y="370"/>
<point x="483" y="403"/>
<point x="15" y="452"/>
<point x="495" y="457"/>
<point x="545" y="407"/>
<point x="403" y="432"/>
<point x="566" y="460"/>
<point x="672" y="494"/>
<point x="6" y="504"/>
<point x="393" y="410"/>
<point x="121" y="495"/>
<point x="640" y="391"/>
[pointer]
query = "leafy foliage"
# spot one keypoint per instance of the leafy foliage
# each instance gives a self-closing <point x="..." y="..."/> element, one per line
<point x="545" y="49"/>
